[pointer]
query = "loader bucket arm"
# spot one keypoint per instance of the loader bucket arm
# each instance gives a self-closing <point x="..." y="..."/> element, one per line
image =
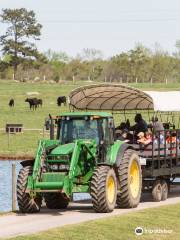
<point x="79" y="145"/>
<point x="40" y="158"/>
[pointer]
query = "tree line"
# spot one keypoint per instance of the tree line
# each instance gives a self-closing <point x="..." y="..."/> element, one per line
<point x="21" y="60"/>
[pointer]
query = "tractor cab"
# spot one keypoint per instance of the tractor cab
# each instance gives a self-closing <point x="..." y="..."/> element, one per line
<point x="84" y="126"/>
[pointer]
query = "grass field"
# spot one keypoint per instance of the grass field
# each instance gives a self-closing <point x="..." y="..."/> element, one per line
<point x="120" y="227"/>
<point x="26" y="143"/>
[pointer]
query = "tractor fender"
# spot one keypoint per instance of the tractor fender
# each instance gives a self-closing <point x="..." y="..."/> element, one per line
<point x="27" y="163"/>
<point x="121" y="152"/>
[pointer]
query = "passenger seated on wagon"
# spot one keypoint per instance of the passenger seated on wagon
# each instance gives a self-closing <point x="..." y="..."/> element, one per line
<point x="123" y="125"/>
<point x="159" y="138"/>
<point x="144" y="139"/>
<point x="118" y="133"/>
<point x="140" y="126"/>
<point x="122" y="135"/>
<point x="120" y="129"/>
<point x="123" y="129"/>
<point x="170" y="138"/>
<point x="156" y="125"/>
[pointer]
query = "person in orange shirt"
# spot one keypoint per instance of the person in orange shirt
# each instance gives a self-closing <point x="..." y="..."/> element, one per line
<point x="170" y="138"/>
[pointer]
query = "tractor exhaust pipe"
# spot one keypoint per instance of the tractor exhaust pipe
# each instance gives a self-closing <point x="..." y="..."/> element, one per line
<point x="51" y="128"/>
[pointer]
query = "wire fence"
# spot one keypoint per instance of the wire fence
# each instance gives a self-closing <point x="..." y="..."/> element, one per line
<point x="21" y="143"/>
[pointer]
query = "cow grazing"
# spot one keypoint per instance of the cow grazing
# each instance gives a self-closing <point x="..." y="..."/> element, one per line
<point x="39" y="102"/>
<point x="11" y="102"/>
<point x="60" y="100"/>
<point x="33" y="103"/>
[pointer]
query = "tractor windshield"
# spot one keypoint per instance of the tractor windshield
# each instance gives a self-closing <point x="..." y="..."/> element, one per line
<point x="74" y="128"/>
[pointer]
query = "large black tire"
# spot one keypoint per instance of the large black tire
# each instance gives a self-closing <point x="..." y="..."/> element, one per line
<point x="130" y="181"/>
<point x="56" y="200"/>
<point x="25" y="202"/>
<point x="157" y="191"/>
<point x="104" y="189"/>
<point x="165" y="190"/>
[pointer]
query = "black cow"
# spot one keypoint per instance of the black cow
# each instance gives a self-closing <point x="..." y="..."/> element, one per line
<point x="60" y="100"/>
<point x="39" y="102"/>
<point x="11" y="102"/>
<point x="33" y="103"/>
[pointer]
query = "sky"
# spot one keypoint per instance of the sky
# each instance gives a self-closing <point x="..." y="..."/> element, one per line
<point x="112" y="26"/>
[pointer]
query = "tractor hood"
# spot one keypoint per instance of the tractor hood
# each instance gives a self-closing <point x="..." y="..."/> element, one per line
<point x="64" y="149"/>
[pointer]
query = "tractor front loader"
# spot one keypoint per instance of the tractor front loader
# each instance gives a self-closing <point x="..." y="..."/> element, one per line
<point x="84" y="158"/>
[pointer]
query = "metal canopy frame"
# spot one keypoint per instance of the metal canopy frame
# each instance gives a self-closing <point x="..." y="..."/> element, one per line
<point x="112" y="97"/>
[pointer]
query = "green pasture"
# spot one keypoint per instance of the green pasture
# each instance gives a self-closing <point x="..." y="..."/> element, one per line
<point x="158" y="224"/>
<point x="26" y="143"/>
<point x="157" y="86"/>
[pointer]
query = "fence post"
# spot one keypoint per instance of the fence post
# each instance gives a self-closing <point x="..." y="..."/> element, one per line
<point x="8" y="138"/>
<point x="43" y="131"/>
<point x="13" y="187"/>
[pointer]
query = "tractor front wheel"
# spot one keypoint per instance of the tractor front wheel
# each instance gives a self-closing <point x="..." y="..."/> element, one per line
<point x="103" y="189"/>
<point x="56" y="200"/>
<point x="26" y="203"/>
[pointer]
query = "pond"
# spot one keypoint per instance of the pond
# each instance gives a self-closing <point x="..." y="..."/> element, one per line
<point x="6" y="185"/>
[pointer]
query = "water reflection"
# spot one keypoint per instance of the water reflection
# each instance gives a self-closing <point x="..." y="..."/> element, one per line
<point x="6" y="184"/>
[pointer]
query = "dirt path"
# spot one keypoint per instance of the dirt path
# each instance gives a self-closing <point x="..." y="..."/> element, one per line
<point x="22" y="224"/>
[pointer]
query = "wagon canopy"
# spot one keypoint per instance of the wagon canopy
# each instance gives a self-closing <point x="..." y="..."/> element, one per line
<point x="114" y="97"/>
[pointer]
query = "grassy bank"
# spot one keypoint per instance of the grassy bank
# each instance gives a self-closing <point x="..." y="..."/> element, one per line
<point x="120" y="227"/>
<point x="26" y="143"/>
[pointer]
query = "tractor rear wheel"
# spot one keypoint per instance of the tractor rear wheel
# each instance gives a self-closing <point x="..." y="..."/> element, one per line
<point x="130" y="180"/>
<point x="103" y="189"/>
<point x="26" y="203"/>
<point x="56" y="200"/>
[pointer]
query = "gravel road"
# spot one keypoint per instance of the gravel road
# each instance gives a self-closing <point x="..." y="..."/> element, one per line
<point x="22" y="224"/>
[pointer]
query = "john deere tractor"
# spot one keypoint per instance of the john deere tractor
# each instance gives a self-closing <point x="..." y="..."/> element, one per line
<point x="83" y="158"/>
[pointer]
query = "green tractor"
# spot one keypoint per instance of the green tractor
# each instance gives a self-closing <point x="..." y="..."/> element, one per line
<point x="83" y="158"/>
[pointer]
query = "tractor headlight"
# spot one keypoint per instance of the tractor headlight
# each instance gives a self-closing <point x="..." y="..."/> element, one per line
<point x="64" y="167"/>
<point x="54" y="167"/>
<point x="59" y="167"/>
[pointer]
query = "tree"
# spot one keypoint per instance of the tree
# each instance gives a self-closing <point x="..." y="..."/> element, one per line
<point x="22" y="26"/>
<point x="53" y="56"/>
<point x="90" y="54"/>
<point x="139" y="58"/>
<point x="57" y="61"/>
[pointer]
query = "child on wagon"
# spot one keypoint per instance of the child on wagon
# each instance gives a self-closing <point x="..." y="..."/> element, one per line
<point x="144" y="138"/>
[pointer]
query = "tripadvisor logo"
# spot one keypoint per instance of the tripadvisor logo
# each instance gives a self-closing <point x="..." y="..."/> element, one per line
<point x="139" y="231"/>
